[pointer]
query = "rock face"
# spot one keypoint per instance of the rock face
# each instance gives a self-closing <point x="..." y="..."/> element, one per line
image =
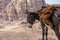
<point x="13" y="22"/>
<point x="14" y="9"/>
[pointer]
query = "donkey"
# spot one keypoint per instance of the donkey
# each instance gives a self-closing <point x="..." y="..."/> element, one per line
<point x="48" y="14"/>
<point x="32" y="16"/>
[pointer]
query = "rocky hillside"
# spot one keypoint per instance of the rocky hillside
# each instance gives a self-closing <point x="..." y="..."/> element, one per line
<point x="13" y="22"/>
<point x="14" y="9"/>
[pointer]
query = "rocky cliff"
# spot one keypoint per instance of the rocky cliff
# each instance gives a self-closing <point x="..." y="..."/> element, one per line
<point x="14" y="9"/>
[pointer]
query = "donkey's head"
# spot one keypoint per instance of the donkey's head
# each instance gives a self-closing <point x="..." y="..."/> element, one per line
<point x="31" y="16"/>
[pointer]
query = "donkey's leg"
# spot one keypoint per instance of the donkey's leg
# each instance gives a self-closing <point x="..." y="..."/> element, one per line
<point x="46" y="33"/>
<point x="43" y="31"/>
<point x="56" y="29"/>
<point x="42" y="25"/>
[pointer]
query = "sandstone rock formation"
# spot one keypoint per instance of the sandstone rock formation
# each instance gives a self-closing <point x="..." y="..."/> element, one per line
<point x="14" y="9"/>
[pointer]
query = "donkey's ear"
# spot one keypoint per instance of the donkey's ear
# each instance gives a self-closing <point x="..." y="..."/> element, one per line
<point x="26" y="12"/>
